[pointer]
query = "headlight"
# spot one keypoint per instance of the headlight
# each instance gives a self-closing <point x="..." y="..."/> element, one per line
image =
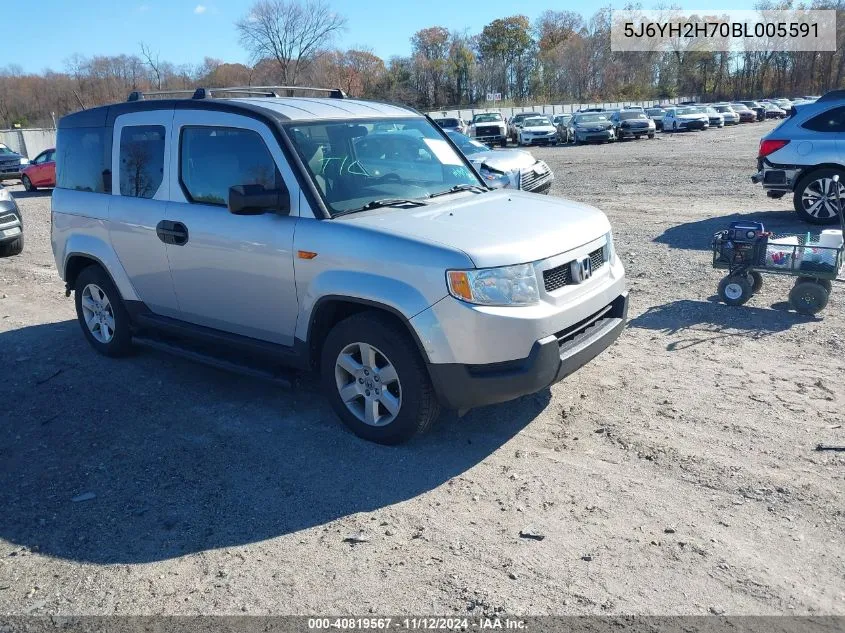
<point x="24" y="161"/>
<point x="5" y="196"/>
<point x="505" y="286"/>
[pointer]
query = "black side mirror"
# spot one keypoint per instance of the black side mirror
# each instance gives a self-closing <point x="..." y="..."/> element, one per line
<point x="256" y="199"/>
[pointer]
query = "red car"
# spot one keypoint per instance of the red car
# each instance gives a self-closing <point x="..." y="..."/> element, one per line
<point x="41" y="171"/>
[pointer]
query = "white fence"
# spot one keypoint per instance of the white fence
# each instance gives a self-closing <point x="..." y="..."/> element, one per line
<point x="566" y="108"/>
<point x="28" y="142"/>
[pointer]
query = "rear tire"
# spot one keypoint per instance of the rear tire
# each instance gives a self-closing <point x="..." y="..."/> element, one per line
<point x="15" y="247"/>
<point x="824" y="283"/>
<point x="756" y="281"/>
<point x="410" y="392"/>
<point x="112" y="336"/>
<point x="811" y="189"/>
<point x="504" y="142"/>
<point x="808" y="297"/>
<point x="27" y="184"/>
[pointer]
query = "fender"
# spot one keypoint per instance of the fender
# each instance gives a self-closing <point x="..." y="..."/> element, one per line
<point x="80" y="244"/>
<point x="398" y="297"/>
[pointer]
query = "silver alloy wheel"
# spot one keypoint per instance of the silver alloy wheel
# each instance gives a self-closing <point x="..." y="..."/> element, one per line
<point x="820" y="195"/>
<point x="733" y="291"/>
<point x="98" y="313"/>
<point x="368" y="384"/>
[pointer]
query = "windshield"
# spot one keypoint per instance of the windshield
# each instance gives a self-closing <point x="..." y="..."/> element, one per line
<point x="487" y="118"/>
<point x="466" y="144"/>
<point x="738" y="106"/>
<point x="353" y="164"/>
<point x="536" y="120"/>
<point x="591" y="118"/>
<point x="654" y="112"/>
<point x="447" y="122"/>
<point x="687" y="111"/>
<point x="625" y="116"/>
<point x="5" y="150"/>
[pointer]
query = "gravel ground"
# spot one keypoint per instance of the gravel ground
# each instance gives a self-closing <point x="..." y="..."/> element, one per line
<point x="677" y="473"/>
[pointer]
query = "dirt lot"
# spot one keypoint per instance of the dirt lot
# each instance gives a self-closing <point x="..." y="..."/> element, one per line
<point x="674" y="474"/>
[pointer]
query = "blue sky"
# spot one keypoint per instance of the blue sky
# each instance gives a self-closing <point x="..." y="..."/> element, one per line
<point x="186" y="31"/>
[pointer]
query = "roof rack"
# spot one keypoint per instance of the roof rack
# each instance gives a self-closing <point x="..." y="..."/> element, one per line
<point x="262" y="91"/>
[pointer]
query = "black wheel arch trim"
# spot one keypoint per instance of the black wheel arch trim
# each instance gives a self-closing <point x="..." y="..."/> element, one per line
<point x="94" y="260"/>
<point x="315" y="311"/>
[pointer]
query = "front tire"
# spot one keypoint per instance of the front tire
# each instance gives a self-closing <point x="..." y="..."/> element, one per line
<point x="814" y="199"/>
<point x="375" y="379"/>
<point x="504" y="142"/>
<point x="27" y="184"/>
<point x="101" y="313"/>
<point x="735" y="290"/>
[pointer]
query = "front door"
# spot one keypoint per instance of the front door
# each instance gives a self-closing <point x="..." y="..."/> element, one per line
<point x="231" y="272"/>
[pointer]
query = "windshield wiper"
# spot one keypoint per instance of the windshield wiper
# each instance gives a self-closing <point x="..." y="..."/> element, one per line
<point x="383" y="202"/>
<point x="457" y="188"/>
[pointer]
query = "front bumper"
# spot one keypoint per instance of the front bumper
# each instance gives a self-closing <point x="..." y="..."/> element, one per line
<point x="622" y="132"/>
<point x="11" y="224"/>
<point x="551" y="359"/>
<point x="693" y="125"/>
<point x="601" y="135"/>
<point x="540" y="140"/>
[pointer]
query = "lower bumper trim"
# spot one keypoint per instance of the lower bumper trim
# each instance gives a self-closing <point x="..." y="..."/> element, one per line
<point x="550" y="360"/>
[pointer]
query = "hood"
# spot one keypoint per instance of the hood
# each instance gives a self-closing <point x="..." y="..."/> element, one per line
<point x="588" y="125"/>
<point x="497" y="228"/>
<point x="503" y="159"/>
<point x="691" y="117"/>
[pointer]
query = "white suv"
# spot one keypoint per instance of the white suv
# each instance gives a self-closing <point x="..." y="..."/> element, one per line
<point x="348" y="237"/>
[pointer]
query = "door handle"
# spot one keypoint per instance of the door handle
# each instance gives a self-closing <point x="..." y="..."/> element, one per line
<point x="170" y="232"/>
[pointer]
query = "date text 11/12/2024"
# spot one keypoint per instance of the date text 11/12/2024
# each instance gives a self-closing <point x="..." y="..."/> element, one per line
<point x="416" y="624"/>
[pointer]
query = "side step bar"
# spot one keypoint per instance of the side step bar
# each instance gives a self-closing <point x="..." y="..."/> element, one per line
<point x="279" y="378"/>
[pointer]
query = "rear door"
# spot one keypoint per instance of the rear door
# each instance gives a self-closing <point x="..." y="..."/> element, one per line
<point x="141" y="161"/>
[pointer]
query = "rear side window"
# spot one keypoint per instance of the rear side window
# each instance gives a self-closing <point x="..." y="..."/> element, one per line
<point x="141" y="160"/>
<point x="81" y="161"/>
<point x="212" y="159"/>
<point x="830" y="121"/>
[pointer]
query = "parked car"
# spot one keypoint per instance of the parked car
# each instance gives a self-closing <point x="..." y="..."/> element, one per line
<point x="632" y="124"/>
<point x="757" y="108"/>
<point x="404" y="294"/>
<point x="505" y="168"/>
<point x="729" y="115"/>
<point x="561" y="122"/>
<point x="11" y="225"/>
<point x="516" y="123"/>
<point x="656" y="115"/>
<point x="41" y="172"/>
<point x="683" y="118"/>
<point x="11" y="163"/>
<point x="449" y="123"/>
<point x="773" y="111"/>
<point x="802" y="155"/>
<point x="596" y="109"/>
<point x="587" y="127"/>
<point x="714" y="117"/>
<point x="746" y="114"/>
<point x="783" y="104"/>
<point x="537" y="130"/>
<point x="489" y="127"/>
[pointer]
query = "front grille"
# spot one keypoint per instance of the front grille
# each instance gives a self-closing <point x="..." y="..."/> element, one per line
<point x="488" y="130"/>
<point x="529" y="179"/>
<point x="561" y="276"/>
<point x="557" y="277"/>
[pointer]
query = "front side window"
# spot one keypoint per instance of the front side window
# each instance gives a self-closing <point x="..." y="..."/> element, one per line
<point x="141" y="160"/>
<point x="830" y="121"/>
<point x="213" y="159"/>
<point x="353" y="164"/>
<point x="42" y="157"/>
<point x="4" y="149"/>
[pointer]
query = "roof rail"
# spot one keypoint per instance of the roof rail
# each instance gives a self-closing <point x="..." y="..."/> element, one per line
<point x="833" y="95"/>
<point x="137" y="95"/>
<point x="265" y="91"/>
<point x="211" y="93"/>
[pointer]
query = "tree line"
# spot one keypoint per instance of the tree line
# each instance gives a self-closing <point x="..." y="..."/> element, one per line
<point x="560" y="57"/>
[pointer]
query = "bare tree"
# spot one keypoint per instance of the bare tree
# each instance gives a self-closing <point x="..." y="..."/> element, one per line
<point x="153" y="62"/>
<point x="290" y="32"/>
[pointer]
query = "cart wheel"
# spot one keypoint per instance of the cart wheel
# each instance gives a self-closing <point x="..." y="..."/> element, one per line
<point x="824" y="283"/>
<point x="756" y="281"/>
<point x="735" y="290"/>
<point x="808" y="297"/>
